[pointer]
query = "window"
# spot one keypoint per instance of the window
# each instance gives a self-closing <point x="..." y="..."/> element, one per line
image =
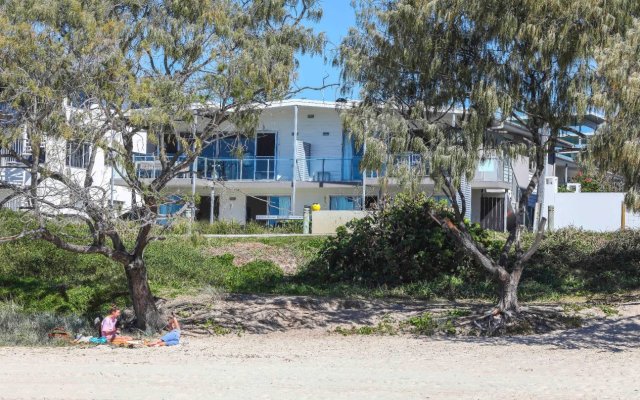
<point x="348" y="203"/>
<point x="78" y="154"/>
<point x="279" y="205"/>
<point x="343" y="203"/>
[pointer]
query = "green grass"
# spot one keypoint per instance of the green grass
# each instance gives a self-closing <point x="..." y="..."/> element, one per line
<point x="42" y="278"/>
<point x="384" y="327"/>
<point x="428" y="324"/>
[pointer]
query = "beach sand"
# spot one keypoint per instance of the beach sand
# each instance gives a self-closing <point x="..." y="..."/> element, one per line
<point x="600" y="361"/>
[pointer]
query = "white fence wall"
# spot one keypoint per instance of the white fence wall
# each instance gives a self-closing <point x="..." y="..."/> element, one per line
<point x="589" y="211"/>
<point x="600" y="212"/>
<point x="592" y="211"/>
<point x="326" y="222"/>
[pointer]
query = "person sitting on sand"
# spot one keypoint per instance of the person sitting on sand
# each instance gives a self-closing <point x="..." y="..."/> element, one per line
<point x="172" y="338"/>
<point x="108" y="328"/>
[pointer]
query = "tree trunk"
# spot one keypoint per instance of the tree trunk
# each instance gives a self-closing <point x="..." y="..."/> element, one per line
<point x="143" y="302"/>
<point x="508" y="300"/>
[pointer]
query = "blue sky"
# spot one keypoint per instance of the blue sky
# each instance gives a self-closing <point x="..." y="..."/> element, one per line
<point x="338" y="16"/>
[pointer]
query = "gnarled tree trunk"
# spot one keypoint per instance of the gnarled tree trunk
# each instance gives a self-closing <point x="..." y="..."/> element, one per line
<point x="508" y="293"/>
<point x="143" y="302"/>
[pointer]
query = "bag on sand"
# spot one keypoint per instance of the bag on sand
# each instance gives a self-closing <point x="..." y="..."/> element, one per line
<point x="59" y="333"/>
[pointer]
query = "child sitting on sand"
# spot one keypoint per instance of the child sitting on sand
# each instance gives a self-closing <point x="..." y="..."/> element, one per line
<point x="172" y="338"/>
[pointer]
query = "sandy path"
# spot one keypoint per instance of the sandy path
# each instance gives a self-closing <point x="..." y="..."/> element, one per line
<point x="598" y="362"/>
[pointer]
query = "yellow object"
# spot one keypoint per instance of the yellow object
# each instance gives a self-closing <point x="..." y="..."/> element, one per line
<point x="315" y="207"/>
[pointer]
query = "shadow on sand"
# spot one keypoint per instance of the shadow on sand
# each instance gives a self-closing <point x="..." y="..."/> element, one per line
<point x="264" y="314"/>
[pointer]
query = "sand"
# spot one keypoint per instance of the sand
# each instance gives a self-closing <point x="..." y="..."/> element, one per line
<point x="600" y="361"/>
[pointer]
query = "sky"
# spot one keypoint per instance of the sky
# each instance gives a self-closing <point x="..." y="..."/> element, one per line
<point x="338" y="17"/>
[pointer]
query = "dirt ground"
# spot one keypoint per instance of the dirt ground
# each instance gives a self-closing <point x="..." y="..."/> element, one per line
<point x="244" y="252"/>
<point x="598" y="361"/>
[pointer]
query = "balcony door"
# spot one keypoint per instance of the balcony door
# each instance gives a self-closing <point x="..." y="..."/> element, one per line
<point x="351" y="157"/>
<point x="265" y="156"/>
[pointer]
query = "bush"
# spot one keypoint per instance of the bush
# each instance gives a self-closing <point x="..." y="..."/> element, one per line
<point x="398" y="245"/>
<point x="19" y="327"/>
<point x="572" y="261"/>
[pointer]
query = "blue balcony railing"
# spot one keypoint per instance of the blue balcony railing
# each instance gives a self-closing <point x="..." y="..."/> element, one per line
<point x="275" y="169"/>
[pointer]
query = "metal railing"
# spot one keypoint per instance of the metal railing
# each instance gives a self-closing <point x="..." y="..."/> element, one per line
<point x="318" y="169"/>
<point x="494" y="170"/>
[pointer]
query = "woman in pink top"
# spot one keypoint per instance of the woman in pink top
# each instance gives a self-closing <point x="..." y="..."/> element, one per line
<point x="108" y="327"/>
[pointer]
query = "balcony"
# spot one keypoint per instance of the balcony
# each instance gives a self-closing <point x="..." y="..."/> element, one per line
<point x="278" y="169"/>
<point x="494" y="170"/>
<point x="266" y="169"/>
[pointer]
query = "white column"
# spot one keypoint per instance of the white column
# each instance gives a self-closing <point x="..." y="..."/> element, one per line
<point x="193" y="172"/>
<point x="212" y="205"/>
<point x="295" y="153"/>
<point x="364" y="175"/>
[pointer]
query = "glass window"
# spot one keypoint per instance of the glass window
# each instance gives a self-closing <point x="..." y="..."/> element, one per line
<point x="78" y="154"/>
<point x="174" y="205"/>
<point x="343" y="203"/>
<point x="351" y="157"/>
<point x="279" y="205"/>
<point x="487" y="165"/>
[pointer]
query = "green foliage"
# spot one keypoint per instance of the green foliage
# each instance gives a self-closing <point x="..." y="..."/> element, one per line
<point x="428" y="324"/>
<point x="436" y="76"/>
<point x="101" y="72"/>
<point x="384" y="327"/>
<point x="42" y="278"/>
<point x="615" y="146"/>
<point x="416" y="61"/>
<point x="401" y="244"/>
<point x="256" y="276"/>
<point x="608" y="310"/>
<point x="590" y="183"/>
<point x="424" y="324"/>
<point x="572" y="262"/>
<point x="182" y="227"/>
<point x="214" y="327"/>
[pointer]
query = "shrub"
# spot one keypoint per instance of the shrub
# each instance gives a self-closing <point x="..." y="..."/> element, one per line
<point x="398" y="245"/>
<point x="19" y="327"/>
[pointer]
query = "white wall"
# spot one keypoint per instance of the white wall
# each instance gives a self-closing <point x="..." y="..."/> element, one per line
<point x="233" y="210"/>
<point x="326" y="222"/>
<point x="520" y="167"/>
<point x="590" y="211"/>
<point x="310" y="130"/>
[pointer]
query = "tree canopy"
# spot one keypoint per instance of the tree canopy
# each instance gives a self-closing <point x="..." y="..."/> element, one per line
<point x="441" y="77"/>
<point x="616" y="145"/>
<point x="98" y="73"/>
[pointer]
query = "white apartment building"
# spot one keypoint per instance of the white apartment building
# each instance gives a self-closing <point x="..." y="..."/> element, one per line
<point x="299" y="156"/>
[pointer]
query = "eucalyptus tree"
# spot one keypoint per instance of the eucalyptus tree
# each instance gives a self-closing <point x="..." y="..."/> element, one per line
<point x="89" y="77"/>
<point x="616" y="145"/>
<point x="439" y="77"/>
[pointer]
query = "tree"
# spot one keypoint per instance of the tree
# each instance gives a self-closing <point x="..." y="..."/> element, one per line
<point x="86" y="77"/>
<point x="616" y="145"/>
<point x="440" y="77"/>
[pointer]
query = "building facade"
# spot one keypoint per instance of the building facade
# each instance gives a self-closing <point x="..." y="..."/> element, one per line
<point x="299" y="156"/>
